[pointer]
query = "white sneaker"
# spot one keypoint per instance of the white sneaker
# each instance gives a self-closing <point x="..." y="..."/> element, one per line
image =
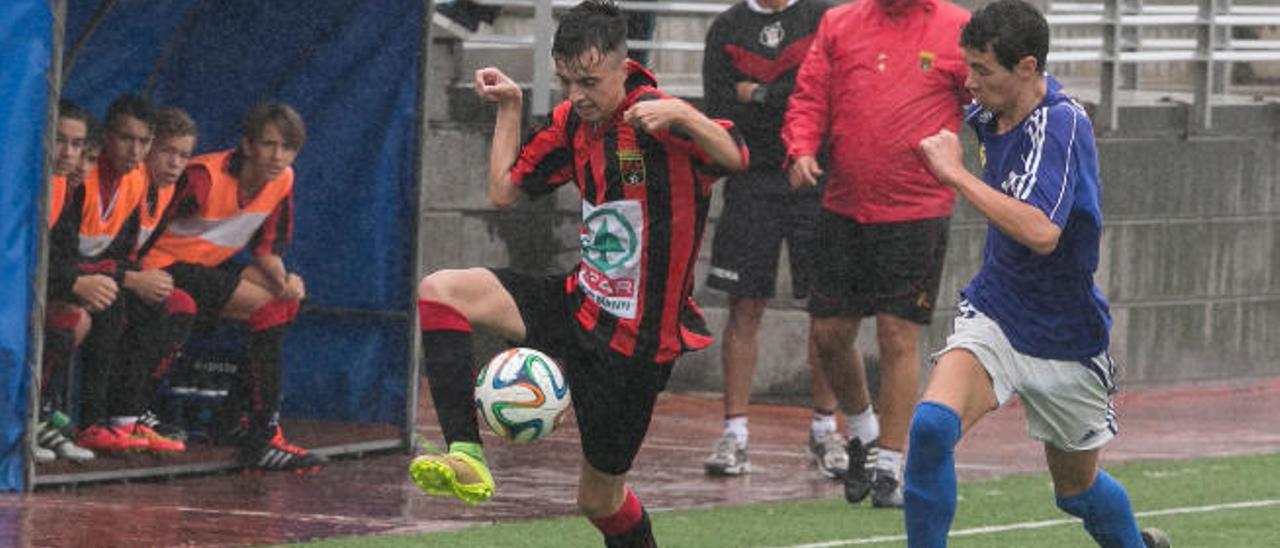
<point x="829" y="454"/>
<point x="51" y="439"/>
<point x="42" y="455"/>
<point x="728" y="458"/>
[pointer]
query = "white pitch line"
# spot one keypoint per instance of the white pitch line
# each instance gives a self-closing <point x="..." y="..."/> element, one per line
<point x="1046" y="523"/>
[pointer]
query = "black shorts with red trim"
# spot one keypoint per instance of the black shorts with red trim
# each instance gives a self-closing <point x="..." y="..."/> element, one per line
<point x="759" y="215"/>
<point x="613" y="396"/>
<point x="867" y="269"/>
<point x="210" y="287"/>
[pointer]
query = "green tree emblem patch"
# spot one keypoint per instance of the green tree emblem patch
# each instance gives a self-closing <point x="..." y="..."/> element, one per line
<point x="610" y="240"/>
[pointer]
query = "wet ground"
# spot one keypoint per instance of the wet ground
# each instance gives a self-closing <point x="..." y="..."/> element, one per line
<point x="373" y="495"/>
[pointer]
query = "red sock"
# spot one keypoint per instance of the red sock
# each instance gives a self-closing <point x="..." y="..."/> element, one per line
<point x="624" y="519"/>
<point x="438" y="316"/>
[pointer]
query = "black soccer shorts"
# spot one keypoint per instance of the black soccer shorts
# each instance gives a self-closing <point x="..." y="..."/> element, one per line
<point x="210" y="287"/>
<point x="866" y="269"/>
<point x="613" y="395"/>
<point x="760" y="213"/>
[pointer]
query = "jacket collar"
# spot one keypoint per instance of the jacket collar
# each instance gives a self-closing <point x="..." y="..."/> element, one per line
<point x="899" y="8"/>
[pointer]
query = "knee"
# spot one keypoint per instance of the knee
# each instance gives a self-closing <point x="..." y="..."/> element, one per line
<point x="273" y="314"/>
<point x="1067" y="486"/>
<point x="828" y="338"/>
<point x="934" y="427"/>
<point x="895" y="335"/>
<point x="181" y="303"/>
<point x="745" y="314"/>
<point x="439" y="285"/>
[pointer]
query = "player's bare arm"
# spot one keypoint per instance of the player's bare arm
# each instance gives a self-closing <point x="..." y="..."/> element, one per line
<point x="654" y="116"/>
<point x="804" y="172"/>
<point x="1021" y="221"/>
<point x="494" y="86"/>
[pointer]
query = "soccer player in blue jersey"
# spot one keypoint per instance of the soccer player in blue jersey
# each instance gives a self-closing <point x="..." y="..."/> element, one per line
<point x="1031" y="322"/>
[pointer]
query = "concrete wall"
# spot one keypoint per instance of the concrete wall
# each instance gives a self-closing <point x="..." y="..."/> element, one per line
<point x="1189" y="258"/>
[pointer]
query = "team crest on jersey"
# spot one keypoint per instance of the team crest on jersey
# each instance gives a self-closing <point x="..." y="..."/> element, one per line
<point x="772" y="34"/>
<point x="631" y="164"/>
<point x="926" y="61"/>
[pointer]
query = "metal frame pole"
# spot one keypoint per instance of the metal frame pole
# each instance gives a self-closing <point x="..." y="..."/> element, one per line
<point x="1110" y="81"/>
<point x="1202" y="109"/>
<point x="542" y="28"/>
<point x="1130" y="40"/>
<point x="1222" y="40"/>
<point x="35" y="354"/>
<point x="420" y="198"/>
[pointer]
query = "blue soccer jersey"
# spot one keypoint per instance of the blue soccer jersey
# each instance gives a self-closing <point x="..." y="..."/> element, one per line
<point x="1047" y="305"/>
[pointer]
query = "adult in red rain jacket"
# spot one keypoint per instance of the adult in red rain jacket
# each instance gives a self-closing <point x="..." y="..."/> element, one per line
<point x="880" y="76"/>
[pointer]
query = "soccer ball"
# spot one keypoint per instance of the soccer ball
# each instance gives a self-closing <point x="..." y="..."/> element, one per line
<point x="522" y="395"/>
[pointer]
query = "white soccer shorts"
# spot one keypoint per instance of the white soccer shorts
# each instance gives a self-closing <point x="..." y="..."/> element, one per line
<point x="1067" y="403"/>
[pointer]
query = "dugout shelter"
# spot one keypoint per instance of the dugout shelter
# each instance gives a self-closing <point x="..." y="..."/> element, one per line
<point x="355" y="71"/>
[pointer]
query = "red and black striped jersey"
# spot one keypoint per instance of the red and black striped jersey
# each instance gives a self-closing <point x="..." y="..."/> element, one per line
<point x="644" y="207"/>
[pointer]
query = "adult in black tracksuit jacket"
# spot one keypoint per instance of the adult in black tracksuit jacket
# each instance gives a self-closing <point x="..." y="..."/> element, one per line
<point x="753" y="52"/>
<point x="752" y="42"/>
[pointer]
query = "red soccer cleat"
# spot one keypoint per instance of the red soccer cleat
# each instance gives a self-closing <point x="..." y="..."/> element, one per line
<point x="104" y="438"/>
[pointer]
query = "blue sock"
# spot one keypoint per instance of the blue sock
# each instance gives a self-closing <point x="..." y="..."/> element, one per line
<point x="929" y="492"/>
<point x="1106" y="512"/>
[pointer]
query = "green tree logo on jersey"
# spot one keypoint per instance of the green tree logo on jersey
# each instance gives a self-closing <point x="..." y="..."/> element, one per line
<point x="609" y="240"/>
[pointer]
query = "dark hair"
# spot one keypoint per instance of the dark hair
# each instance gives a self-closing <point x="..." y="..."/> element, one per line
<point x="130" y="105"/>
<point x="1012" y="28"/>
<point x="280" y="115"/>
<point x="174" y="122"/>
<point x="591" y="24"/>
<point x="95" y="136"/>
<point x="72" y="111"/>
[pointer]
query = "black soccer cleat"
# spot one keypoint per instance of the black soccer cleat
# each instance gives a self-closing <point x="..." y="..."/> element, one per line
<point x="862" y="464"/>
<point x="171" y="431"/>
<point x="278" y="455"/>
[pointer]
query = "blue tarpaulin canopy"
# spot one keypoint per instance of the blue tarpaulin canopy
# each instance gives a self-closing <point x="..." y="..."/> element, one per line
<point x="351" y="68"/>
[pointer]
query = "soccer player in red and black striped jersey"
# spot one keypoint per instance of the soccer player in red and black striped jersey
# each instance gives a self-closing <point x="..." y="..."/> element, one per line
<point x="644" y="164"/>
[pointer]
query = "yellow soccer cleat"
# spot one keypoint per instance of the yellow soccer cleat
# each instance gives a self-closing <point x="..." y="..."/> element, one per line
<point x="454" y="474"/>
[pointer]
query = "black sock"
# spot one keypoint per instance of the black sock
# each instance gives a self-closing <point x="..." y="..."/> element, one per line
<point x="100" y="356"/>
<point x="639" y="535"/>
<point x="59" y="345"/>
<point x="448" y="364"/>
<point x="264" y="381"/>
